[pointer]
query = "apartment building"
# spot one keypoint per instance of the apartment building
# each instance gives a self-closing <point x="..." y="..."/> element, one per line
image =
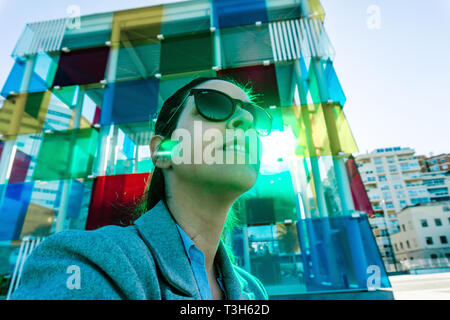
<point x="440" y="162"/>
<point x="392" y="178"/>
<point x="424" y="236"/>
<point x="396" y="178"/>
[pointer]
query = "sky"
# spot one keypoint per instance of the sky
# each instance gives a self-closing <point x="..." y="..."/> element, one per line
<point x="392" y="58"/>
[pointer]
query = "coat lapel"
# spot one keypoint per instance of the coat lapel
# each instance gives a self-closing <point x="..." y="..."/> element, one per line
<point x="158" y="230"/>
<point x="234" y="285"/>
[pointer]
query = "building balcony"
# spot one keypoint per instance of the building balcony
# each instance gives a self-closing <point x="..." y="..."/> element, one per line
<point x="411" y="177"/>
<point x="371" y="181"/>
<point x="374" y="198"/>
<point x="376" y="207"/>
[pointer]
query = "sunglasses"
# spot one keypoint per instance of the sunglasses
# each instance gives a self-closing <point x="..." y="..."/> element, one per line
<point x="217" y="106"/>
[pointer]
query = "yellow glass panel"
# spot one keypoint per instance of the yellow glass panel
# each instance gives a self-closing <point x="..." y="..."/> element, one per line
<point x="319" y="129"/>
<point x="140" y="24"/>
<point x="38" y="221"/>
<point x="24" y="113"/>
<point x="316" y="9"/>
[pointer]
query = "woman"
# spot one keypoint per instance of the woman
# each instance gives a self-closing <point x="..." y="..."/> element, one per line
<point x="174" y="250"/>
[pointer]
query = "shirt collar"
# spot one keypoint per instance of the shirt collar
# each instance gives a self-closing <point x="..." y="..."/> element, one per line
<point x="187" y="241"/>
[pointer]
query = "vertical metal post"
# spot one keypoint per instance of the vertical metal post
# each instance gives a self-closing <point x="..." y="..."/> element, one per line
<point x="61" y="219"/>
<point x="320" y="198"/>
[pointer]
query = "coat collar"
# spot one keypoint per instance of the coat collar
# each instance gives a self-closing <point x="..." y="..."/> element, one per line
<point x="158" y="230"/>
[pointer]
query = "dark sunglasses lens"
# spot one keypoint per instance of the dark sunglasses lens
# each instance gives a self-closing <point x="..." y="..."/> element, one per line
<point x="262" y="122"/>
<point x="214" y="106"/>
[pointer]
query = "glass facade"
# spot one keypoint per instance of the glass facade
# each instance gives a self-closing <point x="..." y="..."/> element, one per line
<point x="78" y="117"/>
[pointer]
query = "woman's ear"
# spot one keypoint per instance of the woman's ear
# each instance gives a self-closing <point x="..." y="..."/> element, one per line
<point x="161" y="158"/>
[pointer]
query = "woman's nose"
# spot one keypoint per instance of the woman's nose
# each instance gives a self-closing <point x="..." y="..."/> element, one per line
<point x="241" y="119"/>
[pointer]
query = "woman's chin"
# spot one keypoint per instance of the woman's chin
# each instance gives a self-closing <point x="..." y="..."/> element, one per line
<point x="237" y="176"/>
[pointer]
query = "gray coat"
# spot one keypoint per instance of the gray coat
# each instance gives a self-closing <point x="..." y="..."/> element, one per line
<point x="145" y="261"/>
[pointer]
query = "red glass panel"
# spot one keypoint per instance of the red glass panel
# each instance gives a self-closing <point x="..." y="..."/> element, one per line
<point x="114" y="199"/>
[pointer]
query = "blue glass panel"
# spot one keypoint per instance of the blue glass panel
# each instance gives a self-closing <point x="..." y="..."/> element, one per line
<point x="128" y="147"/>
<point x="341" y="249"/>
<point x="14" y="80"/>
<point x="142" y="95"/>
<point x="334" y="87"/>
<point x="75" y="198"/>
<point x="13" y="209"/>
<point x="231" y="13"/>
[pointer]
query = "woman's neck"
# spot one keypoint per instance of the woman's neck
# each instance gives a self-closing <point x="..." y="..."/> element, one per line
<point x="201" y="212"/>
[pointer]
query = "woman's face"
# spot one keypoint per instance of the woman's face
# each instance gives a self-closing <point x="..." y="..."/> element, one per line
<point x="224" y="155"/>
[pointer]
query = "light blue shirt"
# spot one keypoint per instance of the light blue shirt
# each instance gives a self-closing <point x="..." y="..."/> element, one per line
<point x="197" y="260"/>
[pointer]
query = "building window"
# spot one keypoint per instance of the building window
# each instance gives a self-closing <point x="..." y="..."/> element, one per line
<point x="404" y="166"/>
<point x="393" y="168"/>
<point x="400" y="194"/>
<point x="390" y="159"/>
<point x="389" y="205"/>
<point x="377" y="160"/>
<point x="412" y="193"/>
<point x="407" y="244"/>
<point x="443" y="239"/>
<point x="419" y="200"/>
<point x="401" y="245"/>
<point x="387" y="195"/>
<point x="429" y="240"/>
<point x="382" y="178"/>
<point x="433" y="256"/>
<point x="403" y="227"/>
<point x="380" y="169"/>
<point x="438" y="222"/>
<point x="396" y="248"/>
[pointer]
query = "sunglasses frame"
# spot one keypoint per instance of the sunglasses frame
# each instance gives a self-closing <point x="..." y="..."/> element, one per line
<point x="233" y="101"/>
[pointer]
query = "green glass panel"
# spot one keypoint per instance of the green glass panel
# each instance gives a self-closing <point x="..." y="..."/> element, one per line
<point x="88" y="31"/>
<point x="282" y="11"/>
<point x="196" y="17"/>
<point x="286" y="83"/>
<point x="67" y="95"/>
<point x="137" y="61"/>
<point x="271" y="200"/>
<point x="66" y="155"/>
<point x="237" y="52"/>
<point x="180" y="54"/>
<point x="170" y="84"/>
<point x="145" y="166"/>
<point x="33" y="104"/>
